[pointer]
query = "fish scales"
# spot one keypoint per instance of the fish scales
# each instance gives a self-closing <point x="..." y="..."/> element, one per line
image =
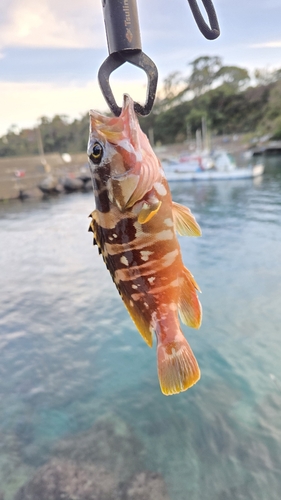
<point x="134" y="226"/>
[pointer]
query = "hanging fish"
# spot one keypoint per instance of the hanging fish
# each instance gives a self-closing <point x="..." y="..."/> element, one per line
<point x="134" y="226"/>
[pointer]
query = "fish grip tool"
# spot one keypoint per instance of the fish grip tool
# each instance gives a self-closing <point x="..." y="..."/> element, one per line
<point x="124" y="45"/>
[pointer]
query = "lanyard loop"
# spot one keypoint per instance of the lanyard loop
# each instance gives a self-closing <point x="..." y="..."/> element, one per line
<point x="209" y="33"/>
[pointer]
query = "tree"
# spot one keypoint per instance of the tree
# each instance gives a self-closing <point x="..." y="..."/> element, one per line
<point x="264" y="76"/>
<point x="203" y="74"/>
<point x="272" y="120"/>
<point x="172" y="85"/>
<point x="235" y="77"/>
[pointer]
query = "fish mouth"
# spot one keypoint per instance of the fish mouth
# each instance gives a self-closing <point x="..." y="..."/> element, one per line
<point x="128" y="104"/>
<point x="115" y="129"/>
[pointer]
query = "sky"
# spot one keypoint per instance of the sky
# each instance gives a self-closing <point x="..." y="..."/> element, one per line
<point x="50" y="51"/>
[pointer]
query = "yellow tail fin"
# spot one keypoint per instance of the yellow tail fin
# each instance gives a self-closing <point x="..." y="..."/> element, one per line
<point x="177" y="366"/>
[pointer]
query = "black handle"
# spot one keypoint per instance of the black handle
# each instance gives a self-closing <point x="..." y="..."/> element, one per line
<point x="124" y="45"/>
<point x="121" y="25"/>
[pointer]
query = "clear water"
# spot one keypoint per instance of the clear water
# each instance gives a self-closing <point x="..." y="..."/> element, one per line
<point x="70" y="355"/>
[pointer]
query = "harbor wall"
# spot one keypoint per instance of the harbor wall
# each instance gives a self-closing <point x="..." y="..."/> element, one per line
<point x="21" y="175"/>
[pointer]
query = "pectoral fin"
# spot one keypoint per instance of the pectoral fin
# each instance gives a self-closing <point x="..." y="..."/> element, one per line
<point x="184" y="221"/>
<point x="148" y="211"/>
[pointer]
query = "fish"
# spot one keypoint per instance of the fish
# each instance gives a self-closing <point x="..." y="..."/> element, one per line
<point x="134" y="226"/>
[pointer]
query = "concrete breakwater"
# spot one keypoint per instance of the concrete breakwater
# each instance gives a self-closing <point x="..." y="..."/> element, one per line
<point x="20" y="176"/>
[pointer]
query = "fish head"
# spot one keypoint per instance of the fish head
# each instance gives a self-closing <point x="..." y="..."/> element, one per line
<point x="120" y="155"/>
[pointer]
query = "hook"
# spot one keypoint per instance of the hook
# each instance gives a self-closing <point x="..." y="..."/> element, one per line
<point x="124" y="45"/>
<point x="139" y="59"/>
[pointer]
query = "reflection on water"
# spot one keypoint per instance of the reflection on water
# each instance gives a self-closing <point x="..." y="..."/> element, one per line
<point x="79" y="388"/>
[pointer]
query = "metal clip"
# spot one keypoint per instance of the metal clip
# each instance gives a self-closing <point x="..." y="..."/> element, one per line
<point x="124" y="45"/>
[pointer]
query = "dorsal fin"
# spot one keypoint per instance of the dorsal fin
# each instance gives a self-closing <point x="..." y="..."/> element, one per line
<point x="94" y="216"/>
<point x="184" y="221"/>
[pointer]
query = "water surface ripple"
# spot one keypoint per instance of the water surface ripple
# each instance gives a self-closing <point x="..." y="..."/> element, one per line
<point x="69" y="353"/>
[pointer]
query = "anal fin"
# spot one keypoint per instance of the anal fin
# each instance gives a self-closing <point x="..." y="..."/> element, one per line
<point x="190" y="309"/>
<point x="141" y="323"/>
<point x="184" y="221"/>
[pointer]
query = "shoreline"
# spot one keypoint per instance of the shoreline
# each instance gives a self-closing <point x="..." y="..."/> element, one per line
<point x="20" y="176"/>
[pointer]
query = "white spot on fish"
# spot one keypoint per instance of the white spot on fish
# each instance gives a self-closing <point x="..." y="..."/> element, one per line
<point x="151" y="279"/>
<point x="110" y="238"/>
<point x="126" y="144"/>
<point x="115" y="235"/>
<point x="169" y="222"/>
<point x="173" y="306"/>
<point x="160" y="188"/>
<point x="145" y="254"/>
<point x="138" y="228"/>
<point x="124" y="260"/>
<point x="167" y="234"/>
<point x="146" y="305"/>
<point x="135" y="287"/>
<point x="170" y="258"/>
<point x="137" y="296"/>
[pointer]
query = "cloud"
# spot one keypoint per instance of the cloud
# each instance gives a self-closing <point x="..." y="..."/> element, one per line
<point x="51" y="23"/>
<point x="266" y="45"/>
<point x="23" y="104"/>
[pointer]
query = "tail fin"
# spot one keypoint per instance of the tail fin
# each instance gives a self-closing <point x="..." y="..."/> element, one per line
<point x="177" y="366"/>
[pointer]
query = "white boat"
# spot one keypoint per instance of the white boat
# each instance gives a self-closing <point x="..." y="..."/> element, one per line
<point x="218" y="166"/>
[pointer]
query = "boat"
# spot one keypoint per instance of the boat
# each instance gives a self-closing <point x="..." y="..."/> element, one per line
<point x="216" y="166"/>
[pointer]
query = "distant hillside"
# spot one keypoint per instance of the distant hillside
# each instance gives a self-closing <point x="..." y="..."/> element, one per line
<point x="225" y="96"/>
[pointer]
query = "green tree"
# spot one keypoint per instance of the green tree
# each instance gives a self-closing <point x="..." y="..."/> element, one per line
<point x="235" y="77"/>
<point x="272" y="120"/>
<point x="203" y="73"/>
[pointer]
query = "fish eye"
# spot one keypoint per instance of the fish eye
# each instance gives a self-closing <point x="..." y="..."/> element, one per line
<point x="97" y="153"/>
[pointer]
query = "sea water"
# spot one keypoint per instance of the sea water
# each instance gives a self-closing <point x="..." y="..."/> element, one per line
<point x="70" y="355"/>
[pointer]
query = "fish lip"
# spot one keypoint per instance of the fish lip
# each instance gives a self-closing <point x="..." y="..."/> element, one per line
<point x="127" y="101"/>
<point x="92" y="112"/>
<point x="129" y="108"/>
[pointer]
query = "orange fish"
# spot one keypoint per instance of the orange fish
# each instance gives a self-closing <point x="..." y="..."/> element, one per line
<point x="134" y="226"/>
